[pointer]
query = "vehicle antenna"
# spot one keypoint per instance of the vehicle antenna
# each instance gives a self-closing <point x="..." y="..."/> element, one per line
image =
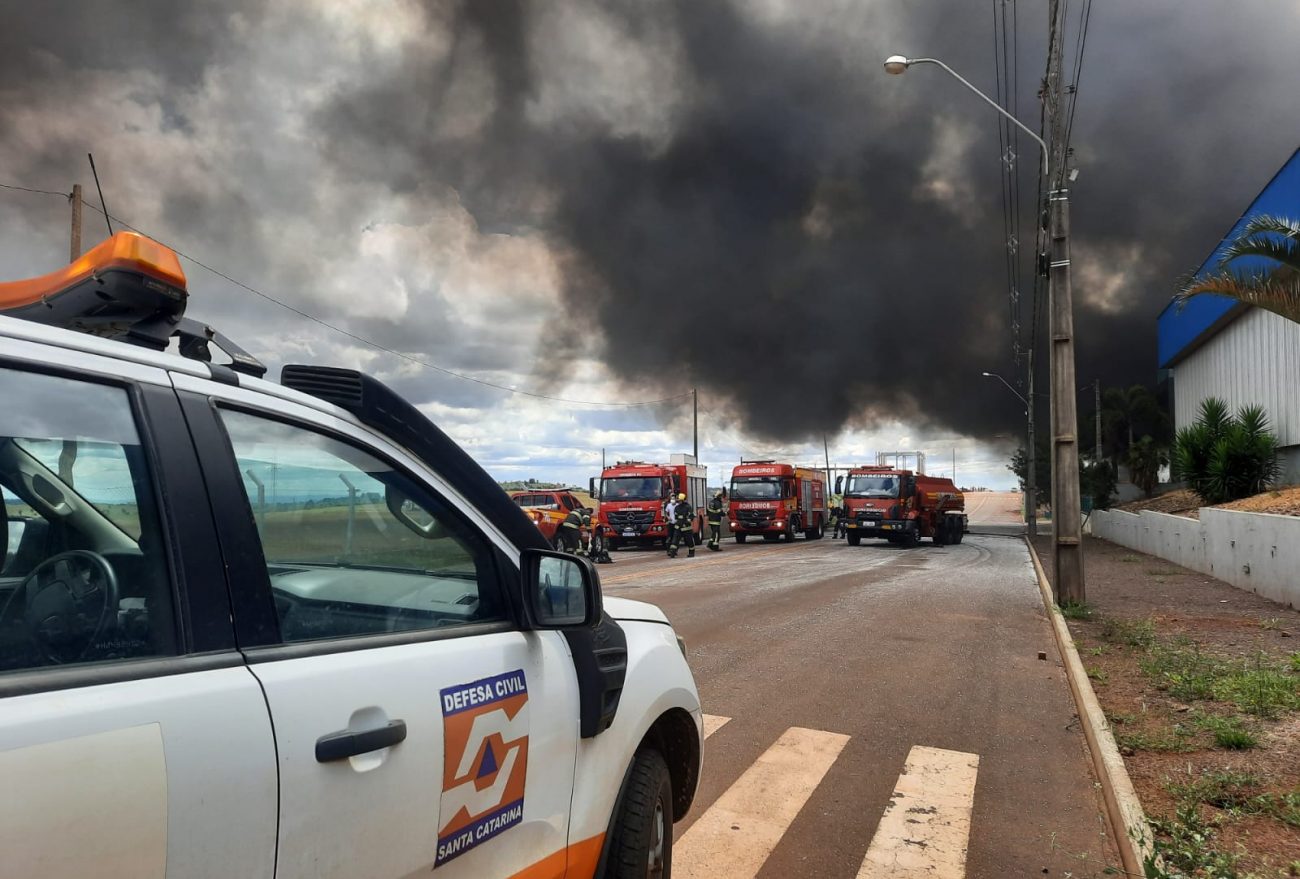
<point x="103" y="207"/>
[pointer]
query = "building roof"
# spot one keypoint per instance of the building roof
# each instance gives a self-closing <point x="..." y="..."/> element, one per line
<point x="1182" y="330"/>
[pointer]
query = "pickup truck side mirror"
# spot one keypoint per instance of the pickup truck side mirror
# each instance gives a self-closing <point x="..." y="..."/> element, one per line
<point x="839" y="485"/>
<point x="591" y="487"/>
<point x="561" y="591"/>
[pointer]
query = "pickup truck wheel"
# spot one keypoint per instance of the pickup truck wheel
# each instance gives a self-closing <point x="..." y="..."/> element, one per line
<point x="740" y="538"/>
<point x="642" y="844"/>
<point x="854" y="538"/>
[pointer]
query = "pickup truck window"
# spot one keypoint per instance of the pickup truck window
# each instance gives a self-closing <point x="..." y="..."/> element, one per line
<point x="83" y="568"/>
<point x="353" y="546"/>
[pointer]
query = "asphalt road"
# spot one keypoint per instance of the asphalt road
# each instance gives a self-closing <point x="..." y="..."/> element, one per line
<point x="826" y="669"/>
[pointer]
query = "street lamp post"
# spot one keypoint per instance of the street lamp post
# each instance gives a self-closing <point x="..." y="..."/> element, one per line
<point x="1067" y="519"/>
<point x="1031" y="473"/>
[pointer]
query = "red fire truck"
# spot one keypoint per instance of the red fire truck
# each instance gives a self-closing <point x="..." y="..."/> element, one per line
<point x="777" y="500"/>
<point x="632" y="496"/>
<point x="901" y="506"/>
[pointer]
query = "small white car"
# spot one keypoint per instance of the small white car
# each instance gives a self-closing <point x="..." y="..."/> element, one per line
<point x="291" y="630"/>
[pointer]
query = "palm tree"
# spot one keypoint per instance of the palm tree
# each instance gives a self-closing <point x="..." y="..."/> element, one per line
<point x="1127" y="413"/>
<point x="1274" y="288"/>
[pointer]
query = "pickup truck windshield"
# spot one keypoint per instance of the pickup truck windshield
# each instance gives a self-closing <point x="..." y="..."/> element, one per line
<point x="631" y="488"/>
<point x="872" y="486"/>
<point x="756" y="488"/>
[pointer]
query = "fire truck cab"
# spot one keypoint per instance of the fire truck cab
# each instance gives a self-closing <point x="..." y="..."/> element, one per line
<point x="633" y="495"/>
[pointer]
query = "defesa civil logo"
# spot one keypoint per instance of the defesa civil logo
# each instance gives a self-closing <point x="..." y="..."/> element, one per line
<point x="485" y="729"/>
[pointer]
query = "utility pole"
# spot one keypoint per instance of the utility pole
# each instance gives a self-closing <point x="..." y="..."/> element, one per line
<point x="1097" y="387"/>
<point x="827" y="449"/>
<point x="75" y="198"/>
<point x="1031" y="476"/>
<point x="1067" y="524"/>
<point x="695" y="419"/>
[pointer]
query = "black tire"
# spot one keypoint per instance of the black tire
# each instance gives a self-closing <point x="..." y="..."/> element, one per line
<point x="941" y="534"/>
<point x="791" y="527"/>
<point x="910" y="539"/>
<point x="645" y="822"/>
<point x="854" y="538"/>
<point x="740" y="538"/>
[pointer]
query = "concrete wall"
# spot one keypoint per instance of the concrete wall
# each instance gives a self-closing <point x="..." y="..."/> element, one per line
<point x="1257" y="552"/>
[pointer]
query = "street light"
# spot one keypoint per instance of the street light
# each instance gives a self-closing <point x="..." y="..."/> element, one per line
<point x="1031" y="473"/>
<point x="897" y="65"/>
<point x="1067" y="531"/>
<point x="1019" y="396"/>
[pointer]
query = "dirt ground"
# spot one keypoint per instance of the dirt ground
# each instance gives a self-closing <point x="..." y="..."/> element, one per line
<point x="1283" y="502"/>
<point x="1158" y="641"/>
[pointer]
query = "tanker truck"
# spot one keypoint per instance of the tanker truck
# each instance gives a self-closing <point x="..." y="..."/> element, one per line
<point x="901" y="506"/>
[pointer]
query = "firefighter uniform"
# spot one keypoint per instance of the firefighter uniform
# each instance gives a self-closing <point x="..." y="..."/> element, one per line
<point x="683" y="528"/>
<point x="599" y="550"/>
<point x="715" y="513"/>
<point x="569" y="535"/>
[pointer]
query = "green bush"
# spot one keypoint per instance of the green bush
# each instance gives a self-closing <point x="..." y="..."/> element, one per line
<point x="1145" y="459"/>
<point x="1224" y="458"/>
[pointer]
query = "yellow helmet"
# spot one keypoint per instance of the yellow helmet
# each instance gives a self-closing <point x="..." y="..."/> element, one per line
<point x="681" y="497"/>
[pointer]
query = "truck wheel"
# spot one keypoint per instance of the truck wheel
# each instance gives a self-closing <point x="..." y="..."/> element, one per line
<point x="854" y="538"/>
<point x="740" y="538"/>
<point x="941" y="534"/>
<point x="642" y="843"/>
<point x="790" y="528"/>
<point x="910" y="539"/>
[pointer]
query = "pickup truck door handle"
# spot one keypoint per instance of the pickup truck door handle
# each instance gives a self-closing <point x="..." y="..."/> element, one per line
<point x="351" y="742"/>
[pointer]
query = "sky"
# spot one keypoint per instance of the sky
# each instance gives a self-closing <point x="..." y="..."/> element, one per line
<point x="615" y="201"/>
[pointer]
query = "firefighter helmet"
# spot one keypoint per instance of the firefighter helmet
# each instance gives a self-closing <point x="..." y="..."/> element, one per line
<point x="682" y="496"/>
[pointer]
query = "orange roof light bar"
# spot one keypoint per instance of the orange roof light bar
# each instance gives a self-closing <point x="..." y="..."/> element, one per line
<point x="125" y="250"/>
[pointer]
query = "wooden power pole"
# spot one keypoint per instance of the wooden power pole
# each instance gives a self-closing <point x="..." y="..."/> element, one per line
<point x="1067" y="517"/>
<point x="75" y="198"/>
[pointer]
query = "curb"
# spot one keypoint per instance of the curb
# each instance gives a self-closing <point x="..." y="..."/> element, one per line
<point x="1128" y="821"/>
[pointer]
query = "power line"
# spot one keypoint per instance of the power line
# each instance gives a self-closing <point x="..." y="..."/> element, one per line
<point x="41" y="191"/>
<point x="351" y="335"/>
<point x="1080" y="47"/>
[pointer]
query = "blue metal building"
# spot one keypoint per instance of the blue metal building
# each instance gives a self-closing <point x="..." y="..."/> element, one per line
<point x="1216" y="347"/>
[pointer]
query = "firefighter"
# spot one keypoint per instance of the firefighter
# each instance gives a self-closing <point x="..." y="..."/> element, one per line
<point x="683" y="528"/>
<point x="836" y="514"/>
<point x="668" y="520"/>
<point x="569" y="535"/>
<point x="841" y="527"/>
<point x="715" y="513"/>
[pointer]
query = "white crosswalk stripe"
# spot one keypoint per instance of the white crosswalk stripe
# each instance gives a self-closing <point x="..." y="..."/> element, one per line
<point x="713" y="723"/>
<point x="926" y="826"/>
<point x="734" y="836"/>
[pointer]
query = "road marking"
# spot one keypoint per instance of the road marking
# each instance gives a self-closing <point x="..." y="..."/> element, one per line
<point x="734" y="837"/>
<point x="926" y="826"/>
<point x="713" y="723"/>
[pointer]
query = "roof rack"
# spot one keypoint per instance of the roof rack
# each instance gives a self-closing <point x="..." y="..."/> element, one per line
<point x="129" y="288"/>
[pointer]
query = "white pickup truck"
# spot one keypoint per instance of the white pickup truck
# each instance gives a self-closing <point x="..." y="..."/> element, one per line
<point x="291" y="630"/>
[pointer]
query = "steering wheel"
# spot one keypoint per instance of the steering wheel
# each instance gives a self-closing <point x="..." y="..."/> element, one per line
<point x="71" y="600"/>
